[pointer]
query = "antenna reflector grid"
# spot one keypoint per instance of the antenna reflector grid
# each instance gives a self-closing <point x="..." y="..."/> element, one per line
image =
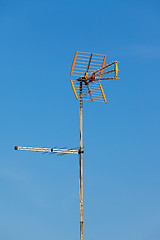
<point x="90" y="92"/>
<point x="84" y="62"/>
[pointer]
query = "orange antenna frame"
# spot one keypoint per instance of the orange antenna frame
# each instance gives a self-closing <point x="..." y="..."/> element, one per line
<point x="88" y="69"/>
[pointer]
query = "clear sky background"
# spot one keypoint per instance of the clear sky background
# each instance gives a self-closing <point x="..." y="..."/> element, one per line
<point x="39" y="193"/>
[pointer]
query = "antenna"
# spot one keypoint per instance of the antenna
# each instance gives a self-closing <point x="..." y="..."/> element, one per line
<point x="87" y="70"/>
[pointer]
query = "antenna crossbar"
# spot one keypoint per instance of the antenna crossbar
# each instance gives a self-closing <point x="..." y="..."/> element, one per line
<point x="48" y="150"/>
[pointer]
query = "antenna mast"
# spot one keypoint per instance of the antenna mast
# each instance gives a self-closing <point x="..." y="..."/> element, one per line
<point x="81" y="163"/>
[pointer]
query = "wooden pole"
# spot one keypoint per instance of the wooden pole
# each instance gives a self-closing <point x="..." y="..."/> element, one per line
<point x="81" y="165"/>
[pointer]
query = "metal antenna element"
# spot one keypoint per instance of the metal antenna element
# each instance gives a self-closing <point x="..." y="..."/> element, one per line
<point x="88" y="69"/>
<point x="48" y="150"/>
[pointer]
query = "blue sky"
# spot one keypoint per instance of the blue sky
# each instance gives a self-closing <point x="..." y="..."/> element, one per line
<point x="39" y="192"/>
